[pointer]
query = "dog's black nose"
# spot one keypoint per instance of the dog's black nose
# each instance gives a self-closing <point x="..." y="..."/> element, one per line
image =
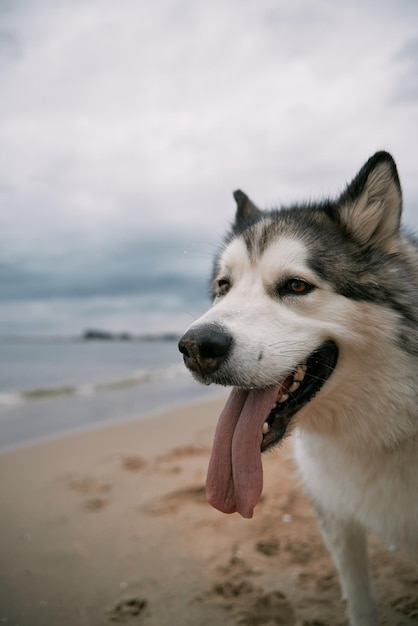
<point x="205" y="348"/>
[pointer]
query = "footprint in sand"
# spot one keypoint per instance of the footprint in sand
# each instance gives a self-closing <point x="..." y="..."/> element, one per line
<point x="301" y="552"/>
<point x="171" y="502"/>
<point x="93" y="487"/>
<point x="89" y="485"/>
<point x="230" y="589"/>
<point x="268" y="547"/>
<point x="173" y="461"/>
<point x="251" y="605"/>
<point x="133" y="463"/>
<point x="127" y="609"/>
<point x="181" y="452"/>
<point x="95" y="504"/>
<point x="270" y="609"/>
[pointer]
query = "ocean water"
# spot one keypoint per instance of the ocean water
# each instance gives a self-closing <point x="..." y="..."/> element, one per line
<point x="50" y="388"/>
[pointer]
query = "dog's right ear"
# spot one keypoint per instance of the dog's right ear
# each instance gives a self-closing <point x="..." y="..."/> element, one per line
<point x="370" y="208"/>
<point x="247" y="212"/>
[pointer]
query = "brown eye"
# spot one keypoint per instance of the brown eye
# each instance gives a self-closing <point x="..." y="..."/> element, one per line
<point x="294" y="287"/>
<point x="223" y="287"/>
<point x="297" y="286"/>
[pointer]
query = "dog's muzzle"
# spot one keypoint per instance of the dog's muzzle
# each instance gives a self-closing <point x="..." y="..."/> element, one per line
<point x="204" y="349"/>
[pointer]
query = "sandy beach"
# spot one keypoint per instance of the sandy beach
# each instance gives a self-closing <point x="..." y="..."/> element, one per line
<point x="112" y="526"/>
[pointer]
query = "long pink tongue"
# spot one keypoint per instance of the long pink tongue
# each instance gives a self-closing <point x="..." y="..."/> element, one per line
<point x="235" y="475"/>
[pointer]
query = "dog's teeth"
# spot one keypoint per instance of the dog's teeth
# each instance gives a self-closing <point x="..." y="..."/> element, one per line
<point x="284" y="397"/>
<point x="294" y="386"/>
<point x="300" y="373"/>
<point x="266" y="428"/>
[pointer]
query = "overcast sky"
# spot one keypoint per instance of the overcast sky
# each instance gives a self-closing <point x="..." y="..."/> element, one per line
<point x="125" y="126"/>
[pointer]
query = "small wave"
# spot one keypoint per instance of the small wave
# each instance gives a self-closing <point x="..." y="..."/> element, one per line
<point x="141" y="377"/>
<point x="136" y="379"/>
<point x="10" y="398"/>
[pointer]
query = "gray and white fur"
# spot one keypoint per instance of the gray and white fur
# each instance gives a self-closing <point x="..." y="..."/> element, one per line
<point x="337" y="273"/>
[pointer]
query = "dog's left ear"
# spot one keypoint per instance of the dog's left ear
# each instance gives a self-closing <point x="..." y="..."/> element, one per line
<point x="370" y="208"/>
<point x="247" y="212"/>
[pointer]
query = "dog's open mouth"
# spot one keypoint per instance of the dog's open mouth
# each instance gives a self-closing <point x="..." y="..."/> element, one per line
<point x="252" y="421"/>
<point x="296" y="390"/>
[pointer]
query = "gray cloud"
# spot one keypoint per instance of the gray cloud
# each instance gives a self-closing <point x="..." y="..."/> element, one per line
<point x="137" y="285"/>
<point x="406" y="90"/>
<point x="121" y="126"/>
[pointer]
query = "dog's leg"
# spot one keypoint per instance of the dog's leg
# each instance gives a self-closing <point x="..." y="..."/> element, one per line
<point x="346" y="541"/>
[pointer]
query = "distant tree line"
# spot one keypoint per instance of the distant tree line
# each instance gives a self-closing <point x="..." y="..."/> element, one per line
<point x="104" y="335"/>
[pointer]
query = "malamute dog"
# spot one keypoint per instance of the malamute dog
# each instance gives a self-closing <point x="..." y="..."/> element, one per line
<point x="314" y="325"/>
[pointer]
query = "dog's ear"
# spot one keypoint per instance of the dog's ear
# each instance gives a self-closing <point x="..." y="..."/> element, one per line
<point x="247" y="212"/>
<point x="370" y="208"/>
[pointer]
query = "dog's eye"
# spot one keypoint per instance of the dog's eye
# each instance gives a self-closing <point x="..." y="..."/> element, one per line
<point x="222" y="288"/>
<point x="296" y="287"/>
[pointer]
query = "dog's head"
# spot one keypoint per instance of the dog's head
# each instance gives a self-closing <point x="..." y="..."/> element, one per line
<point x="284" y="287"/>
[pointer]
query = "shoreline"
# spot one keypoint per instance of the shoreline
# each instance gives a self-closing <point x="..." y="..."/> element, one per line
<point x="41" y="419"/>
<point x="108" y="423"/>
<point x="111" y="525"/>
